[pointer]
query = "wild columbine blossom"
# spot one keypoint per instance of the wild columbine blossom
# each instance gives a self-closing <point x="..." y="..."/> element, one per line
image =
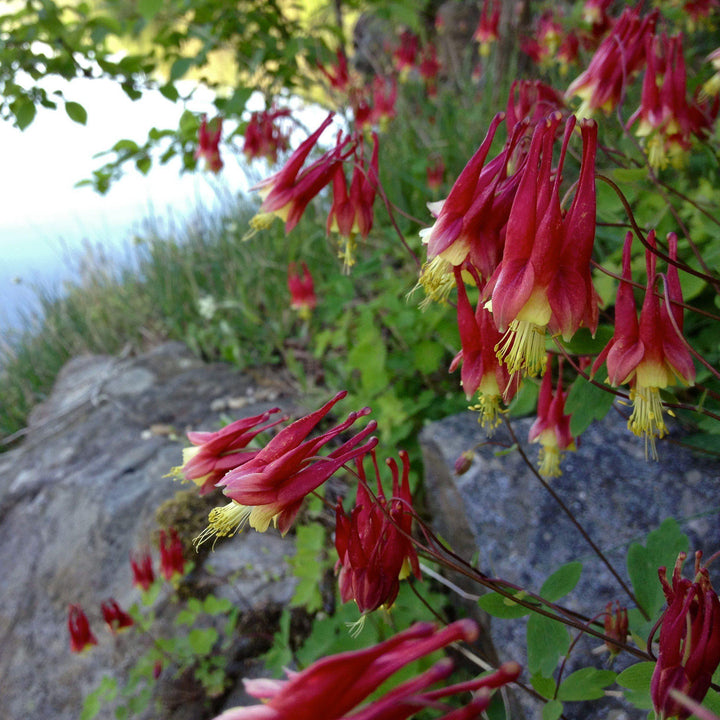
<point x="302" y="290"/>
<point x="384" y="97"/>
<point x="264" y="137"/>
<point x="351" y="214"/>
<point x="486" y="33"/>
<point x="620" y="55"/>
<point x="271" y="486"/>
<point x="115" y="617"/>
<point x="429" y="68"/>
<point x="172" y="555"/>
<point x="212" y="454"/>
<point x="142" y="569"/>
<point x="337" y="75"/>
<point x="435" y="173"/>
<point x="81" y="637"/>
<point x="711" y="88"/>
<point x="552" y="426"/>
<point x="482" y="372"/>
<point x="531" y="100"/>
<point x="567" y="53"/>
<point x="405" y="55"/>
<point x="373" y="543"/>
<point x="615" y="626"/>
<point x="287" y="193"/>
<point x="208" y="143"/>
<point x="650" y="355"/>
<point x="332" y="688"/>
<point x="689" y="646"/>
<point x="543" y="280"/>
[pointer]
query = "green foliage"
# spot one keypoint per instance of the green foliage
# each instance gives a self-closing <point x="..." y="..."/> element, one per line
<point x="309" y="565"/>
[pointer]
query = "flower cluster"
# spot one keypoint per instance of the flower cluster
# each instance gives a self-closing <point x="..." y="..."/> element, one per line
<point x="208" y="149"/>
<point x="302" y="290"/>
<point x="264" y="136"/>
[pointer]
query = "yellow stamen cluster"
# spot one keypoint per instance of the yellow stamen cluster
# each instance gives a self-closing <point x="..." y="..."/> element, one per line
<point x="522" y="348"/>
<point x="490" y="412"/>
<point x="437" y="280"/>
<point x="230" y="519"/>
<point x="347" y="252"/>
<point x="647" y="418"/>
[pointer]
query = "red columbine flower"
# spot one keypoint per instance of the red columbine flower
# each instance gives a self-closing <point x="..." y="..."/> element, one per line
<point x="287" y="193"/>
<point x="172" y="557"/>
<point x="543" y="280"/>
<point x="405" y="55"/>
<point x="373" y="545"/>
<point x="142" y="569"/>
<point x="338" y="75"/>
<point x="620" y="55"/>
<point x="689" y="648"/>
<point x="264" y="137"/>
<point x="482" y="372"/>
<point x="333" y="687"/>
<point x="208" y="143"/>
<point x="351" y="213"/>
<point x="81" y="637"/>
<point x="212" y="454"/>
<point x="531" y="100"/>
<point x="429" y="68"/>
<point x="115" y="617"/>
<point x="615" y="626"/>
<point x="552" y="426"/>
<point x="486" y="32"/>
<point x="435" y="172"/>
<point x="302" y="290"/>
<point x="650" y="355"/>
<point x="272" y="486"/>
<point x="384" y="97"/>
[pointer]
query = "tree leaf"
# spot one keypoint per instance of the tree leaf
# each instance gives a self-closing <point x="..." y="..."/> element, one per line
<point x="24" y="111"/>
<point x="76" y="112"/>
<point x="149" y="8"/>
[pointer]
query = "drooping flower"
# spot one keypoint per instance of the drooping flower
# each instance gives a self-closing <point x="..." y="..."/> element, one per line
<point x="486" y="33"/>
<point x="373" y="545"/>
<point x="552" y="426"/>
<point x="338" y="75"/>
<point x="689" y="646"/>
<point x="333" y="687"/>
<point x="531" y="100"/>
<point x="81" y="637"/>
<point x="620" y="55"/>
<point x="212" y="454"/>
<point x="263" y="135"/>
<point x="172" y="556"/>
<point x="711" y="87"/>
<point x="482" y="372"/>
<point x="429" y="68"/>
<point x="384" y="97"/>
<point x="405" y="55"/>
<point x="287" y="193"/>
<point x="142" y="569"/>
<point x="650" y="354"/>
<point x="271" y="486"/>
<point x="543" y="280"/>
<point x="351" y="214"/>
<point x="208" y="143"/>
<point x="115" y="617"/>
<point x="435" y="172"/>
<point x="615" y="626"/>
<point x="302" y="290"/>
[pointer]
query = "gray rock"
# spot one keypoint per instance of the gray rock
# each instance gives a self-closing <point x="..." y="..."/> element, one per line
<point x="81" y="493"/>
<point x="504" y="517"/>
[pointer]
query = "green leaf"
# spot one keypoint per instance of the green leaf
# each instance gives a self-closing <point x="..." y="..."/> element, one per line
<point x="544" y="685"/>
<point x="105" y="692"/>
<point x="24" y="111"/>
<point x="143" y="164"/>
<point x="180" y="67"/>
<point x="583" y="342"/>
<point x="201" y="640"/>
<point x="661" y="550"/>
<point x="561" y="582"/>
<point x="636" y="681"/>
<point x="217" y="606"/>
<point x="547" y="640"/>
<point x="502" y="607"/>
<point x="76" y="112"/>
<point x="525" y="400"/>
<point x="552" y="710"/>
<point x="586" y="402"/>
<point x="149" y="8"/>
<point x="586" y="684"/>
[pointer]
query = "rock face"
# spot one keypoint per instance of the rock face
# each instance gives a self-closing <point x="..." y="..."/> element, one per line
<point x="502" y="515"/>
<point x="81" y="493"/>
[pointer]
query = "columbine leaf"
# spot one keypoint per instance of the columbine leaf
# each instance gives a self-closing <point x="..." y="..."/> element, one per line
<point x="561" y="582"/>
<point x="586" y="684"/>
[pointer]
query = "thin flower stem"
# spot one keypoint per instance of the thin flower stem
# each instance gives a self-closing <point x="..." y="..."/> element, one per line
<point x="566" y="657"/>
<point x="573" y="519"/>
<point x="389" y="207"/>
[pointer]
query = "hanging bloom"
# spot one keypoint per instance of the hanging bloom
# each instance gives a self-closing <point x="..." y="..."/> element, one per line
<point x="549" y="34"/>
<point x="81" y="637"/>
<point x="712" y="86"/>
<point x="212" y="454"/>
<point x="338" y="75"/>
<point x="620" y="55"/>
<point x="142" y="569"/>
<point x="435" y="172"/>
<point x="482" y="372"/>
<point x="615" y="626"/>
<point x="208" y="143"/>
<point x="172" y="557"/>
<point x="272" y="486"/>
<point x="552" y="426"/>
<point x="650" y="354"/>
<point x="264" y="137"/>
<point x="302" y="290"/>
<point x="429" y="68"/>
<point x="384" y="97"/>
<point x="115" y="617"/>
<point x="689" y="647"/>
<point x="287" y="193"/>
<point x="595" y="14"/>
<point x="532" y="100"/>
<point x="331" y="688"/>
<point x="486" y="32"/>
<point x="567" y="53"/>
<point x="351" y="213"/>
<point x="543" y="280"/>
<point x="373" y="545"/>
<point x="405" y="55"/>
